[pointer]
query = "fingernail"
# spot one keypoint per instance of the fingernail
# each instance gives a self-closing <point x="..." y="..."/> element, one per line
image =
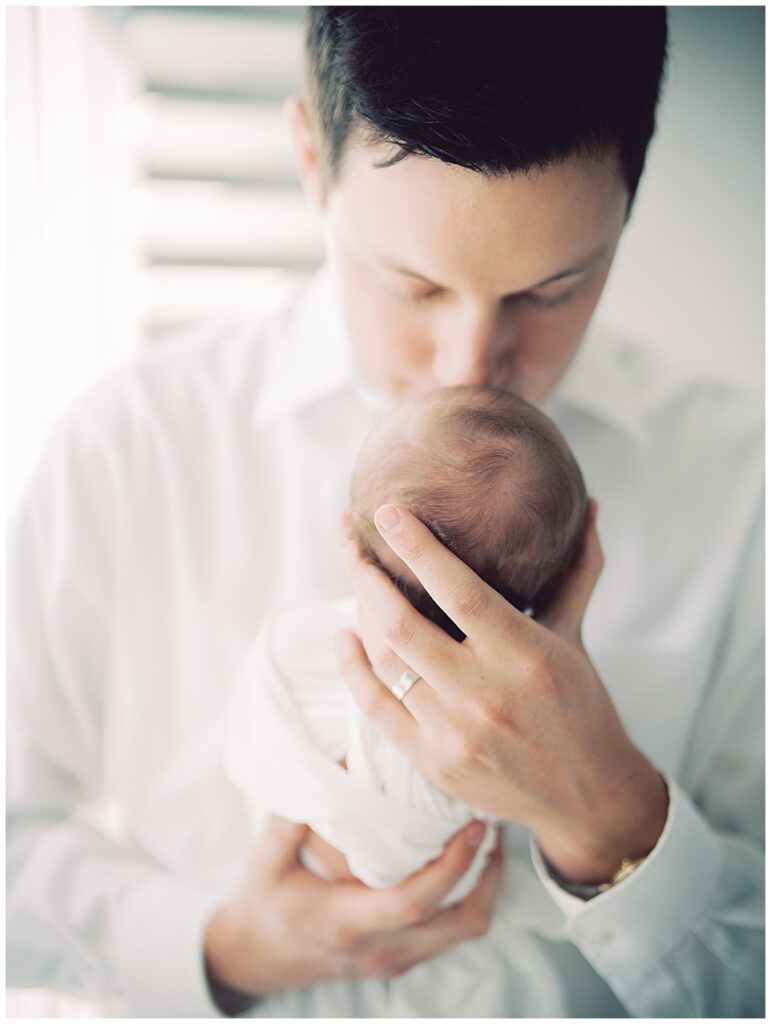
<point x="388" y="519"/>
<point x="475" y="834"/>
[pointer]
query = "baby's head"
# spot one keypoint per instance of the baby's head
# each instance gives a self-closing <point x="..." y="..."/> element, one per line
<point x="491" y="477"/>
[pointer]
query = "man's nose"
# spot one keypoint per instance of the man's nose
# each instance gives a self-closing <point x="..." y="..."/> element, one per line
<point x="467" y="350"/>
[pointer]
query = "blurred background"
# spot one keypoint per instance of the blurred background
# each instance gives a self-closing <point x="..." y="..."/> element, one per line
<point x="151" y="183"/>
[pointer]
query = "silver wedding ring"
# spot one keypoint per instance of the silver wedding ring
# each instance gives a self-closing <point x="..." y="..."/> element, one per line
<point x="404" y="684"/>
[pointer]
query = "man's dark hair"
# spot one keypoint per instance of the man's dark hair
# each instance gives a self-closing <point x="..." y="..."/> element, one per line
<point x="493" y="89"/>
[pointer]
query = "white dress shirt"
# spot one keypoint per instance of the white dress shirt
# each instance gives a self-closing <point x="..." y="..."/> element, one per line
<point x="184" y="496"/>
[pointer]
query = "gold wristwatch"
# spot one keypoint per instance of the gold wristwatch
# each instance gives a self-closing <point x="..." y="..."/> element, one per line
<point x="588" y="892"/>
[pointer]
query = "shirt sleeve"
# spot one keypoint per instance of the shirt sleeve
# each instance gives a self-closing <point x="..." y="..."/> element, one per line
<point x="683" y="935"/>
<point x="87" y="915"/>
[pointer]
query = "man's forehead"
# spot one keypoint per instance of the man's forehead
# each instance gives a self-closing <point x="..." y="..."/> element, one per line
<point x="448" y="224"/>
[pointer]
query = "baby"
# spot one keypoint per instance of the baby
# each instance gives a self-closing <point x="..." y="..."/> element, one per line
<point x="493" y="479"/>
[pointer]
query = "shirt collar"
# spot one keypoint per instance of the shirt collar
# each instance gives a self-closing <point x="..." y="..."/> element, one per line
<point x="308" y="356"/>
<point x="598" y="383"/>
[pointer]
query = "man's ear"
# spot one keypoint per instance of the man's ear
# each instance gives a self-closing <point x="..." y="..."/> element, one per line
<point x="306" y="152"/>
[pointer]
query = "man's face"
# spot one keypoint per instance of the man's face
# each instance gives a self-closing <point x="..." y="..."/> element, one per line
<point x="450" y="277"/>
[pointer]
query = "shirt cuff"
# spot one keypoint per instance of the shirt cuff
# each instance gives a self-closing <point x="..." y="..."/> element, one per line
<point x="647" y="914"/>
<point x="158" y="949"/>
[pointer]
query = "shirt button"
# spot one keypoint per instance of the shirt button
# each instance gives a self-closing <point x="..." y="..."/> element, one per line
<point x="600" y="937"/>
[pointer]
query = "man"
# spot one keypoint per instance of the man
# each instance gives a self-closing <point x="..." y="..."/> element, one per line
<point x="475" y="169"/>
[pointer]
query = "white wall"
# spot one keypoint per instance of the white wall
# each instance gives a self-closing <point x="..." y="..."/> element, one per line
<point x="690" y="271"/>
<point x="71" y="261"/>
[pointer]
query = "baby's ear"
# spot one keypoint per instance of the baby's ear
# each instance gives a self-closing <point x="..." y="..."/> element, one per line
<point x="541" y="606"/>
<point x="567" y="608"/>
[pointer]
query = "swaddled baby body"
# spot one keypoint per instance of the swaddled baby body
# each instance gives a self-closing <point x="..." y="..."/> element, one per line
<point x="494" y="480"/>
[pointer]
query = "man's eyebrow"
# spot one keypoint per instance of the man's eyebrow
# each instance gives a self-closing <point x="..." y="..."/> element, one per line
<point x="579" y="268"/>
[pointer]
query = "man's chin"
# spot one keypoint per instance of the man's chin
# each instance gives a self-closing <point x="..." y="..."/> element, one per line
<point x="376" y="397"/>
<point x="532" y="391"/>
<point x="398" y="390"/>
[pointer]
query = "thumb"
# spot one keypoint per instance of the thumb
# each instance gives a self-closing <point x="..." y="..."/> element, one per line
<point x="566" y="611"/>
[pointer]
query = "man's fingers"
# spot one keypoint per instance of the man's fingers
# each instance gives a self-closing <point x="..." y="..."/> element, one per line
<point x="417" y="898"/>
<point x="420" y="643"/>
<point x="469" y="919"/>
<point x="328" y="857"/>
<point x="414" y="900"/>
<point x="566" y="612"/>
<point x="473" y="606"/>
<point x="280" y="842"/>
<point x="472" y="916"/>
<point x="375" y="700"/>
<point x="386" y="932"/>
<point x="389" y="668"/>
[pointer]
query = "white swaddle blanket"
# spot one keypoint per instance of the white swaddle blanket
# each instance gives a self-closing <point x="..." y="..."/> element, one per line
<point x="290" y="723"/>
<point x="293" y="721"/>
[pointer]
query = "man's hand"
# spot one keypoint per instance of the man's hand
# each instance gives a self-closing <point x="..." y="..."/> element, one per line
<point x="286" y="928"/>
<point x="515" y="720"/>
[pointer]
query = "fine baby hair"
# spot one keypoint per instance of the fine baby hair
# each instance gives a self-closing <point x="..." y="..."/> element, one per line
<point x="491" y="477"/>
